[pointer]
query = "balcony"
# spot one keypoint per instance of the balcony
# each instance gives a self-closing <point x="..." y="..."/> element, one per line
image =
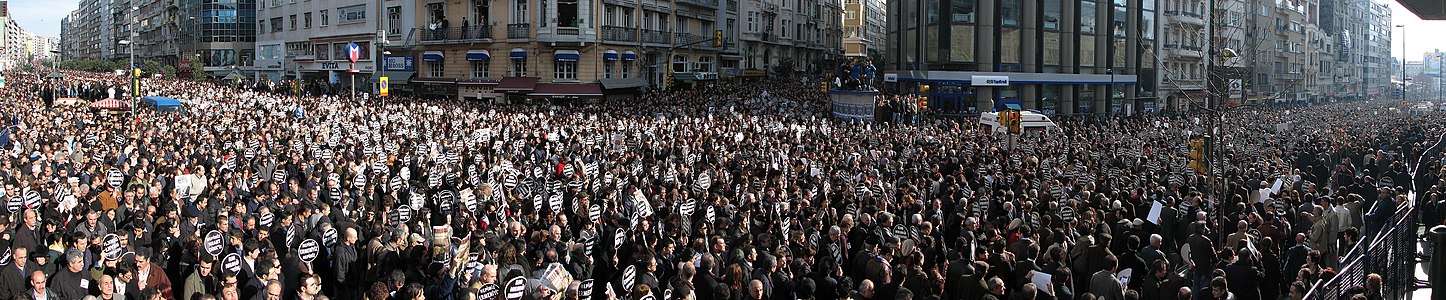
<point x="1185" y="17"/>
<point x="682" y="39"/>
<point x="519" y="32"/>
<point x="700" y="3"/>
<point x="473" y="33"/>
<point x="618" y="34"/>
<point x="1183" y="51"/>
<point x="656" y="37"/>
<point x="565" y="35"/>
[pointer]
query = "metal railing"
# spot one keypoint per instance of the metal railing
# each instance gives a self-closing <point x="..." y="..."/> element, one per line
<point x="1389" y="254"/>
<point x="619" y="34"/>
<point x="474" y="32"/>
<point x="519" y="31"/>
<point x="656" y="37"/>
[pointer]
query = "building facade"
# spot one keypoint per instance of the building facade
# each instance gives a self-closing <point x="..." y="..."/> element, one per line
<point x="87" y="32"/>
<point x="496" y="50"/>
<point x="1056" y="56"/>
<point x="310" y="39"/>
<point x="863" y="23"/>
<point x="219" y="33"/>
<point x="1183" y="50"/>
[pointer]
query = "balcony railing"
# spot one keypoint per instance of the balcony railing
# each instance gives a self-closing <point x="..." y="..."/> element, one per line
<point x="568" y="31"/>
<point x="619" y="34"/>
<point x="656" y="37"/>
<point x="458" y="34"/>
<point x="519" y="31"/>
<point x="700" y="3"/>
<point x="686" y="39"/>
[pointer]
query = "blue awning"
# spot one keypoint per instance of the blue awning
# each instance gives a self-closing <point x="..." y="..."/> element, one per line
<point x="629" y="55"/>
<point x="610" y="55"/>
<point x="479" y="55"/>
<point x="432" y="56"/>
<point x="518" y="54"/>
<point x="566" y="55"/>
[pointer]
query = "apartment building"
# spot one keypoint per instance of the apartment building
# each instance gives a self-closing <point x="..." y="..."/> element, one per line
<point x="310" y="39"/>
<point x="86" y="32"/>
<point x="513" y="49"/>
<point x="863" y="23"/>
<point x="1183" y="51"/>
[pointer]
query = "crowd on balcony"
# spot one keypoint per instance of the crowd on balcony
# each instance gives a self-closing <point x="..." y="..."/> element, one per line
<point x="728" y="191"/>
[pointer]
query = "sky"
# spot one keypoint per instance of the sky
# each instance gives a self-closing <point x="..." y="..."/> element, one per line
<point x="1421" y="36"/>
<point x="41" y="17"/>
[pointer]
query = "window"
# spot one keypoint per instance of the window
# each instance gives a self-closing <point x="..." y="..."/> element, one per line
<point x="298" y="48"/>
<point x="366" y="50"/>
<point x="323" y="52"/>
<point x="1119" y="21"/>
<point x="1087" y="16"/>
<point x="276" y="24"/>
<point x="1009" y="12"/>
<point x="627" y="68"/>
<point x="479" y="69"/>
<point x="394" y="20"/>
<point x="519" y="68"/>
<point x="565" y="70"/>
<point x="567" y="14"/>
<point x="752" y="21"/>
<point x="481" y="11"/>
<point x="784" y="32"/>
<point x="324" y="19"/>
<point x="680" y="63"/>
<point x="608" y="69"/>
<point x="705" y="64"/>
<point x="306" y="20"/>
<point x="434" y="69"/>
<point x="293" y="22"/>
<point x="1051" y="14"/>
<point x="519" y="12"/>
<point x="338" y="51"/>
<point x="352" y="14"/>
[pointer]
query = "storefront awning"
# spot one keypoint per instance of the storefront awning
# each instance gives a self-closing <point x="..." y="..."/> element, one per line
<point x="394" y="77"/>
<point x="621" y="83"/>
<point x="610" y="55"/>
<point x="432" y="56"/>
<point x="566" y="55"/>
<point x="630" y="56"/>
<point x="516" y="84"/>
<point x="479" y="55"/>
<point x="518" y="53"/>
<point x="567" y="90"/>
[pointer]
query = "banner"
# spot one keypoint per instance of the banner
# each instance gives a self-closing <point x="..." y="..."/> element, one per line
<point x="1431" y="65"/>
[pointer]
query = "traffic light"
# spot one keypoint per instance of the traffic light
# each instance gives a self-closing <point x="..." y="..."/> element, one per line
<point x="1199" y="155"/>
<point x="1010" y="120"/>
<point x="717" y="38"/>
<point x="823" y="86"/>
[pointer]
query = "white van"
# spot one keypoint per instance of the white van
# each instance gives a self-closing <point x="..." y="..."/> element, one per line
<point x="1029" y="121"/>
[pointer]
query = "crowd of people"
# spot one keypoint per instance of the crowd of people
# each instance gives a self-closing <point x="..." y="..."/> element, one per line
<point x="726" y="192"/>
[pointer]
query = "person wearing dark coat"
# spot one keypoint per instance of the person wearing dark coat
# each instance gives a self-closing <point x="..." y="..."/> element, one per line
<point x="1244" y="278"/>
<point x="70" y="283"/>
<point x="12" y="276"/>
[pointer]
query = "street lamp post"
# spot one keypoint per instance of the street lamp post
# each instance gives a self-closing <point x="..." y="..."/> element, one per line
<point x="1110" y="104"/>
<point x="135" y="85"/>
<point x="1403" y="61"/>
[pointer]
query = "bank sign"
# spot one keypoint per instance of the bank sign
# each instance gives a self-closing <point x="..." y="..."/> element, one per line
<point x="989" y="80"/>
<point x="401" y="63"/>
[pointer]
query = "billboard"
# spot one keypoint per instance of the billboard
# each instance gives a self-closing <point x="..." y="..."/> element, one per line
<point x="1431" y="65"/>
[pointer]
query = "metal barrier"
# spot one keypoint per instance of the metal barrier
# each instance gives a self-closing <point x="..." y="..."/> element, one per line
<point x="1390" y="253"/>
<point x="1383" y="255"/>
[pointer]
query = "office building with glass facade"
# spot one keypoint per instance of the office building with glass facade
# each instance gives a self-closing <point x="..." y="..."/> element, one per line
<point x="1055" y="56"/>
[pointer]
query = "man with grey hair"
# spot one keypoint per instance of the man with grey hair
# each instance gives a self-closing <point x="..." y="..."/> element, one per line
<point x="1152" y="251"/>
<point x="70" y="283"/>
